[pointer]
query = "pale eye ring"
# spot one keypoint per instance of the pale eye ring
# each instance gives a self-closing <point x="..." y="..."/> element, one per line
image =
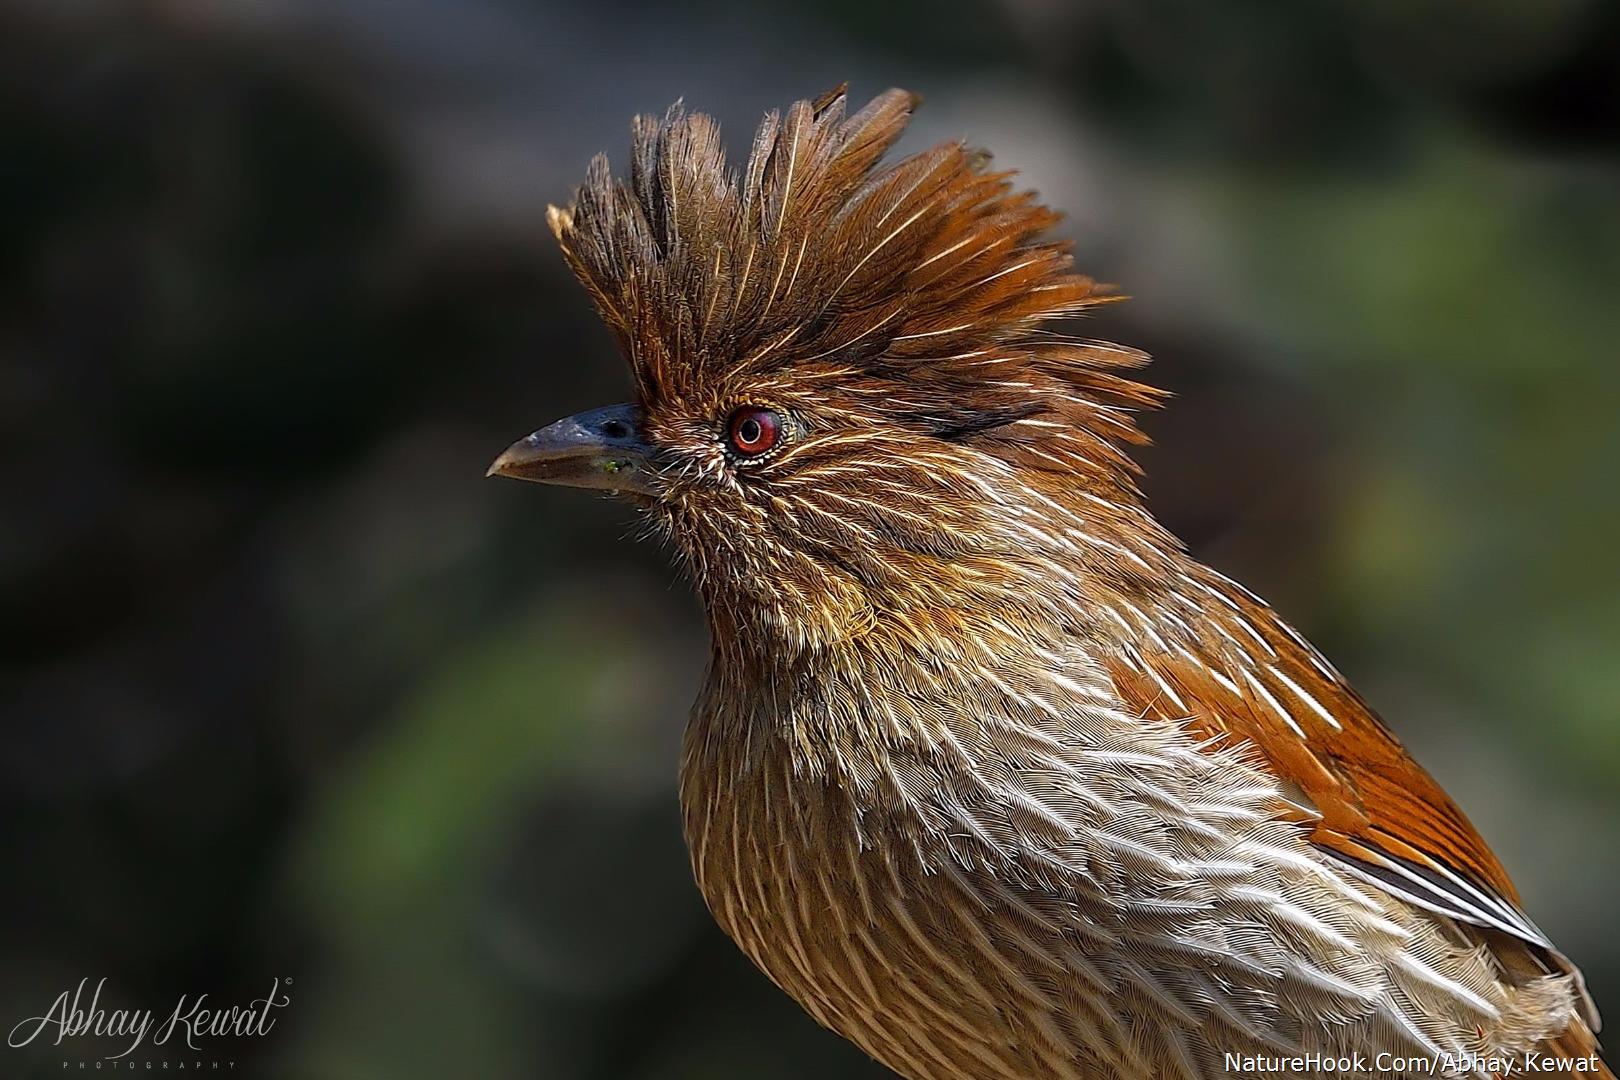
<point x="753" y="431"/>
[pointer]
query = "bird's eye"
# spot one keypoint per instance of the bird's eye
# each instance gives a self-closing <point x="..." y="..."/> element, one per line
<point x="754" y="431"/>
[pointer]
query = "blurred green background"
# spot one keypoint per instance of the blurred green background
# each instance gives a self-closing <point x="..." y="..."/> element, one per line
<point x="290" y="691"/>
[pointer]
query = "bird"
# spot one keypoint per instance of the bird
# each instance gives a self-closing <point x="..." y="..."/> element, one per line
<point x="987" y="772"/>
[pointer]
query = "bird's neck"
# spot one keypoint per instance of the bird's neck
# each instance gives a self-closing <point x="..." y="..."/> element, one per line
<point x="1045" y="626"/>
<point x="1046" y="571"/>
<point x="826" y="711"/>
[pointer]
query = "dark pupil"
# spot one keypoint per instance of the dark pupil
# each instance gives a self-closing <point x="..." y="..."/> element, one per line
<point x="749" y="431"/>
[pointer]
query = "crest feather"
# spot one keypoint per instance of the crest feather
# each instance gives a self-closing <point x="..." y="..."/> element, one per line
<point x="819" y="254"/>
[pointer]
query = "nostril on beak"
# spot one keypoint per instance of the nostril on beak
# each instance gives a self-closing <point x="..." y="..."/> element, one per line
<point x="601" y="448"/>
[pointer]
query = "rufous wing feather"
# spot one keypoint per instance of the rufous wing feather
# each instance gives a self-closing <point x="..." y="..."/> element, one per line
<point x="1252" y="680"/>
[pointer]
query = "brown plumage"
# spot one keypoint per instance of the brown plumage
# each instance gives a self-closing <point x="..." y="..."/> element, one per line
<point x="987" y="772"/>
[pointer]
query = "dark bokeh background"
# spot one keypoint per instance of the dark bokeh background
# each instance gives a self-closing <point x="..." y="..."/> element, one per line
<point x="290" y="691"/>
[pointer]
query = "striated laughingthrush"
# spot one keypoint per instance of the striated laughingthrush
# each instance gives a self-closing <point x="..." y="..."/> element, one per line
<point x="987" y="772"/>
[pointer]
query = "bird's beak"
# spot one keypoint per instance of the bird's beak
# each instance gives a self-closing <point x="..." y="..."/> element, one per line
<point x="602" y="448"/>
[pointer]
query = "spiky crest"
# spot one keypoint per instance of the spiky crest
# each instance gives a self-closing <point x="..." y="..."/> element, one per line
<point x="929" y="276"/>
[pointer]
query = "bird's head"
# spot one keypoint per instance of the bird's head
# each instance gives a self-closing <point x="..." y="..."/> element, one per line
<point x="846" y="409"/>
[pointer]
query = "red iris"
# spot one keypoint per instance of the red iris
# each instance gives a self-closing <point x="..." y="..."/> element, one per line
<point x="754" y="431"/>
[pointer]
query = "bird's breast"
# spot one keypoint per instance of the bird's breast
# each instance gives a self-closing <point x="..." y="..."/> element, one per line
<point x="835" y="904"/>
